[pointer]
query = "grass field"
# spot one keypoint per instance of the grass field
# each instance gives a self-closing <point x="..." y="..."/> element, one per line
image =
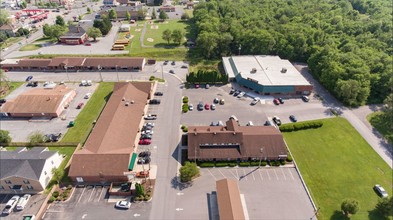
<point x="13" y="86"/>
<point x="381" y="122"/>
<point x="30" y="47"/>
<point x="156" y="34"/>
<point x="84" y="121"/>
<point x="10" y="41"/>
<point x="337" y="163"/>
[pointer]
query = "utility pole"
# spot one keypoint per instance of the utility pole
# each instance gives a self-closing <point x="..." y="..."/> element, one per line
<point x="260" y="159"/>
<point x="117" y="73"/>
<point x="240" y="47"/>
<point x="66" y="68"/>
<point x="99" y="69"/>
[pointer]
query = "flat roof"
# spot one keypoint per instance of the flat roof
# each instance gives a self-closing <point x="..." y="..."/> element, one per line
<point x="266" y="70"/>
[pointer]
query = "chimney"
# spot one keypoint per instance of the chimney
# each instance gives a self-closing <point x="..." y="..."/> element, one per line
<point x="78" y="29"/>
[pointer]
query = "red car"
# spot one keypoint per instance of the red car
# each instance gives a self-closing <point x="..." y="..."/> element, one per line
<point x="87" y="44"/>
<point x="207" y="106"/>
<point x="197" y="86"/>
<point x="80" y="105"/>
<point x="276" y="101"/>
<point x="144" y="142"/>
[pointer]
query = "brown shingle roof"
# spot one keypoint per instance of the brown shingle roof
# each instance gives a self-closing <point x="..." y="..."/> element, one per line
<point x="108" y="149"/>
<point x="112" y="62"/>
<point x="69" y="61"/>
<point x="37" y="100"/>
<point x="246" y="142"/>
<point x="228" y="199"/>
<point x="34" y="62"/>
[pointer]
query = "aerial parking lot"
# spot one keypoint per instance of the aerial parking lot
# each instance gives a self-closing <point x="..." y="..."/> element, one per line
<point x="21" y="128"/>
<point x="32" y="206"/>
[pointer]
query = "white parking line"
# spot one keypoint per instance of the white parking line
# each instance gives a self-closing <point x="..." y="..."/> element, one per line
<point x="253" y="175"/>
<point x="81" y="195"/>
<point x="289" y="170"/>
<point x="91" y="194"/>
<point x="267" y="171"/>
<point x="244" y="173"/>
<point x="276" y="174"/>
<point x="236" y="177"/>
<point x="237" y="174"/>
<point x="285" y="178"/>
<point x="211" y="174"/>
<point x="221" y="173"/>
<point x="260" y="175"/>
<point x="102" y="190"/>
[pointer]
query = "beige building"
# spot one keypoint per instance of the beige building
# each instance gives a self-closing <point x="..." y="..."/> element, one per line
<point x="27" y="171"/>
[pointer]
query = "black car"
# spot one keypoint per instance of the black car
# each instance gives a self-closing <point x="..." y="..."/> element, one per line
<point x="144" y="154"/>
<point x="184" y="67"/>
<point x="237" y="92"/>
<point x="29" y="78"/>
<point x="200" y="106"/>
<point x="155" y="101"/>
<point x="292" y="118"/>
<point x="281" y="100"/>
<point x="56" y="137"/>
<point x="171" y="71"/>
<point x="166" y="62"/>
<point x="232" y="91"/>
<point x="158" y="93"/>
<point x="267" y="123"/>
<point x="2" y="101"/>
<point x="145" y="136"/>
<point x="277" y="120"/>
<point x="35" y="84"/>
<point x="173" y="63"/>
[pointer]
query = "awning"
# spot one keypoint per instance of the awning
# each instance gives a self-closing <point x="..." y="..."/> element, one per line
<point x="132" y="162"/>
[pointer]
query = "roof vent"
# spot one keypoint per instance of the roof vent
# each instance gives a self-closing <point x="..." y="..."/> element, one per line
<point x="253" y="70"/>
<point x="234" y="133"/>
<point x="48" y="99"/>
<point x="283" y="70"/>
<point x="132" y="102"/>
<point x="195" y="133"/>
<point x="123" y="99"/>
<point x="127" y="103"/>
<point x="215" y="133"/>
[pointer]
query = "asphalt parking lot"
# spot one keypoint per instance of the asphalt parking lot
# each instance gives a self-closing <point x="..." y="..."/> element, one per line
<point x="91" y="202"/>
<point x="20" y="129"/>
<point x="241" y="108"/>
<point x="31" y="207"/>
<point x="269" y="193"/>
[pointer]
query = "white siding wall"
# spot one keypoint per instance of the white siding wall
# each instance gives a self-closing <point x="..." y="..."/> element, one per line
<point x="52" y="162"/>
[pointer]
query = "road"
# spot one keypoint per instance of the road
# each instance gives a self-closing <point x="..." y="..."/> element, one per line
<point x="354" y="116"/>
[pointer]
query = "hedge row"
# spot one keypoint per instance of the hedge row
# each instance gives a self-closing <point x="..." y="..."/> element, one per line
<point x="241" y="164"/>
<point x="301" y="126"/>
<point x="207" y="77"/>
<point x="185" y="108"/>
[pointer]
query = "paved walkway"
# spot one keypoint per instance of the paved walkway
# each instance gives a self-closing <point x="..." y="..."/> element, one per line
<point x="357" y="117"/>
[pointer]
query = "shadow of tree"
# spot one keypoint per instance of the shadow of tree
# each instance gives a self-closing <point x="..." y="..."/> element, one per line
<point x="338" y="215"/>
<point x="179" y="185"/>
<point x="375" y="215"/>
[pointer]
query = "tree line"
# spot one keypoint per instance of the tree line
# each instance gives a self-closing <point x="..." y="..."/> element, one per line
<point x="347" y="43"/>
<point x="206" y="77"/>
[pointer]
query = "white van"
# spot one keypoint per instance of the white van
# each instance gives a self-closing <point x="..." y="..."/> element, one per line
<point x="233" y="117"/>
<point x="250" y="123"/>
<point x="22" y="202"/>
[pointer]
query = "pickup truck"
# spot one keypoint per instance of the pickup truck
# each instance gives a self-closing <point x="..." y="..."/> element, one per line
<point x="150" y="117"/>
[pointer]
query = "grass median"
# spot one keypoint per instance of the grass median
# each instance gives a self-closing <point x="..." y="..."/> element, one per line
<point x="336" y="164"/>
<point x="90" y="113"/>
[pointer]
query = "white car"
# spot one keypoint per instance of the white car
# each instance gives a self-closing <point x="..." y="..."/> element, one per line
<point x="241" y="94"/>
<point x="22" y="202"/>
<point x="150" y="124"/>
<point x="83" y="83"/>
<point x="148" y="132"/>
<point x="255" y="101"/>
<point x="381" y="191"/>
<point x="10" y="205"/>
<point x="89" y="82"/>
<point x="123" y="204"/>
<point x="87" y="96"/>
<point x="190" y="107"/>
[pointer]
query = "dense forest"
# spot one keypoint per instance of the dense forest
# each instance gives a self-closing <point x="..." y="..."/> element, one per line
<point x="347" y="44"/>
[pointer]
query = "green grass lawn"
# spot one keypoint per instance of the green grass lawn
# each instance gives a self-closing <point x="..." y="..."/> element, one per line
<point x="13" y="86"/>
<point x="381" y="122"/>
<point x="156" y="34"/>
<point x="9" y="41"/>
<point x="91" y="111"/>
<point x="337" y="163"/>
<point x="30" y="47"/>
<point x="45" y="40"/>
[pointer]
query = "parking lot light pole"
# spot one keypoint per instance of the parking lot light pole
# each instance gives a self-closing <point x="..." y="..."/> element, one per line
<point x="162" y="71"/>
<point x="66" y="68"/>
<point x="260" y="159"/>
<point x="117" y="73"/>
<point x="99" y="67"/>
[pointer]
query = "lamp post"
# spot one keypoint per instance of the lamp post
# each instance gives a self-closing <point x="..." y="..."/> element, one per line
<point x="117" y="73"/>
<point x="260" y="159"/>
<point x="99" y="67"/>
<point x="162" y="71"/>
<point x="66" y="68"/>
<point x="240" y="47"/>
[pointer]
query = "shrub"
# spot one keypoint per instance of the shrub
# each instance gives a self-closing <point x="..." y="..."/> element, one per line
<point x="301" y="126"/>
<point x="188" y="171"/>
<point x="51" y="199"/>
<point x="206" y="164"/>
<point x="282" y="162"/>
<point x="185" y="108"/>
<point x="289" y="158"/>
<point x="185" y="129"/>
<point x="185" y="99"/>
<point x="232" y="164"/>
<point x="69" y="187"/>
<point x="182" y="127"/>
<point x="263" y="163"/>
<point x="152" y="78"/>
<point x="244" y="164"/>
<point x="221" y="164"/>
<point x="55" y="194"/>
<point x="5" y="137"/>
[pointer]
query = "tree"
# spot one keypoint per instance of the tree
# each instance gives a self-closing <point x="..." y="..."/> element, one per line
<point x="141" y="14"/>
<point x="23" y="4"/>
<point x="128" y="16"/>
<point x="154" y="15"/>
<point x="60" y="21"/>
<point x="36" y="138"/>
<point x="5" y="137"/>
<point x="88" y="10"/>
<point x="188" y="171"/>
<point x="208" y="42"/>
<point x="140" y="190"/>
<point x="350" y="207"/>
<point x="177" y="36"/>
<point x="56" y="31"/>
<point x="385" y="207"/>
<point x="4" y="17"/>
<point x="104" y="24"/>
<point x="163" y="15"/>
<point x="166" y="35"/>
<point x="112" y="14"/>
<point x="94" y="33"/>
<point x="185" y="16"/>
<point x="57" y="174"/>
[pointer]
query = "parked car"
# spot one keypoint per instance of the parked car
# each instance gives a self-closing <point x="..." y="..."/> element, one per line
<point x="197" y="86"/>
<point x="166" y="62"/>
<point x="190" y="107"/>
<point x="241" y="94"/>
<point x="10" y="205"/>
<point x="146" y="136"/>
<point x="158" y="93"/>
<point x="83" y="83"/>
<point x="381" y="191"/>
<point x="150" y="117"/>
<point x="89" y="82"/>
<point x="123" y="205"/>
<point x="87" y="44"/>
<point x="216" y="100"/>
<point x="250" y="123"/>
<point x="148" y="131"/>
<point x="207" y="106"/>
<point x="276" y="102"/>
<point x="171" y="71"/>
<point x="56" y="137"/>
<point x="150" y="124"/>
<point x="144" y="154"/>
<point x="222" y="101"/>
<point x="142" y="174"/>
<point x="305" y="98"/>
<point x="71" y="124"/>
<point x="267" y="123"/>
<point x="292" y="118"/>
<point x="144" y="160"/>
<point x="173" y="63"/>
<point x="200" y="106"/>
<point x="207" y="86"/>
<point x="234" y="118"/>
<point x="184" y="67"/>
<point x="87" y="96"/>
<point x="29" y="78"/>
<point x="213" y="107"/>
<point x="2" y="101"/>
<point x="255" y="101"/>
<point x="80" y="105"/>
<point x="236" y="93"/>
<point x="277" y="120"/>
<point x="155" y="101"/>
<point x="28" y="217"/>
<point x="144" y="142"/>
<point x="281" y="100"/>
<point x="232" y="91"/>
<point x="22" y="202"/>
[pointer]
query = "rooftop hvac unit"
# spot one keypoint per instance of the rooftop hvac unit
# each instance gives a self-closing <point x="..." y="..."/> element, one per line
<point x="253" y="70"/>
<point x="127" y="103"/>
<point x="283" y="70"/>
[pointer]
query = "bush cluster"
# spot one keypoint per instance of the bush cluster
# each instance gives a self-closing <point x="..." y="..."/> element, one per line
<point x="185" y="108"/>
<point x="185" y="99"/>
<point x="152" y="78"/>
<point x="289" y="158"/>
<point x="184" y="128"/>
<point x="206" y="77"/>
<point x="301" y="126"/>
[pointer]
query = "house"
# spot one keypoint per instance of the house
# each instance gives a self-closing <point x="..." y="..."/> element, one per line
<point x="235" y="142"/>
<point x="108" y="154"/>
<point x="228" y="199"/>
<point x="167" y="8"/>
<point x="27" y="171"/>
<point x="39" y="103"/>
<point x="121" y="11"/>
<point x="110" y="3"/>
<point x="266" y="75"/>
<point x="124" y="28"/>
<point x="8" y="29"/>
<point x="76" y="35"/>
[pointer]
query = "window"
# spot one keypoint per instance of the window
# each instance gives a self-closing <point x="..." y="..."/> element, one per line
<point x="7" y="182"/>
<point x="26" y="182"/>
<point x="45" y="173"/>
<point x="52" y="162"/>
<point x="1" y="187"/>
<point x="30" y="187"/>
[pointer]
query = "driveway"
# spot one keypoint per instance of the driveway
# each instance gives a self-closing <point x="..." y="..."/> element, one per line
<point x="355" y="116"/>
